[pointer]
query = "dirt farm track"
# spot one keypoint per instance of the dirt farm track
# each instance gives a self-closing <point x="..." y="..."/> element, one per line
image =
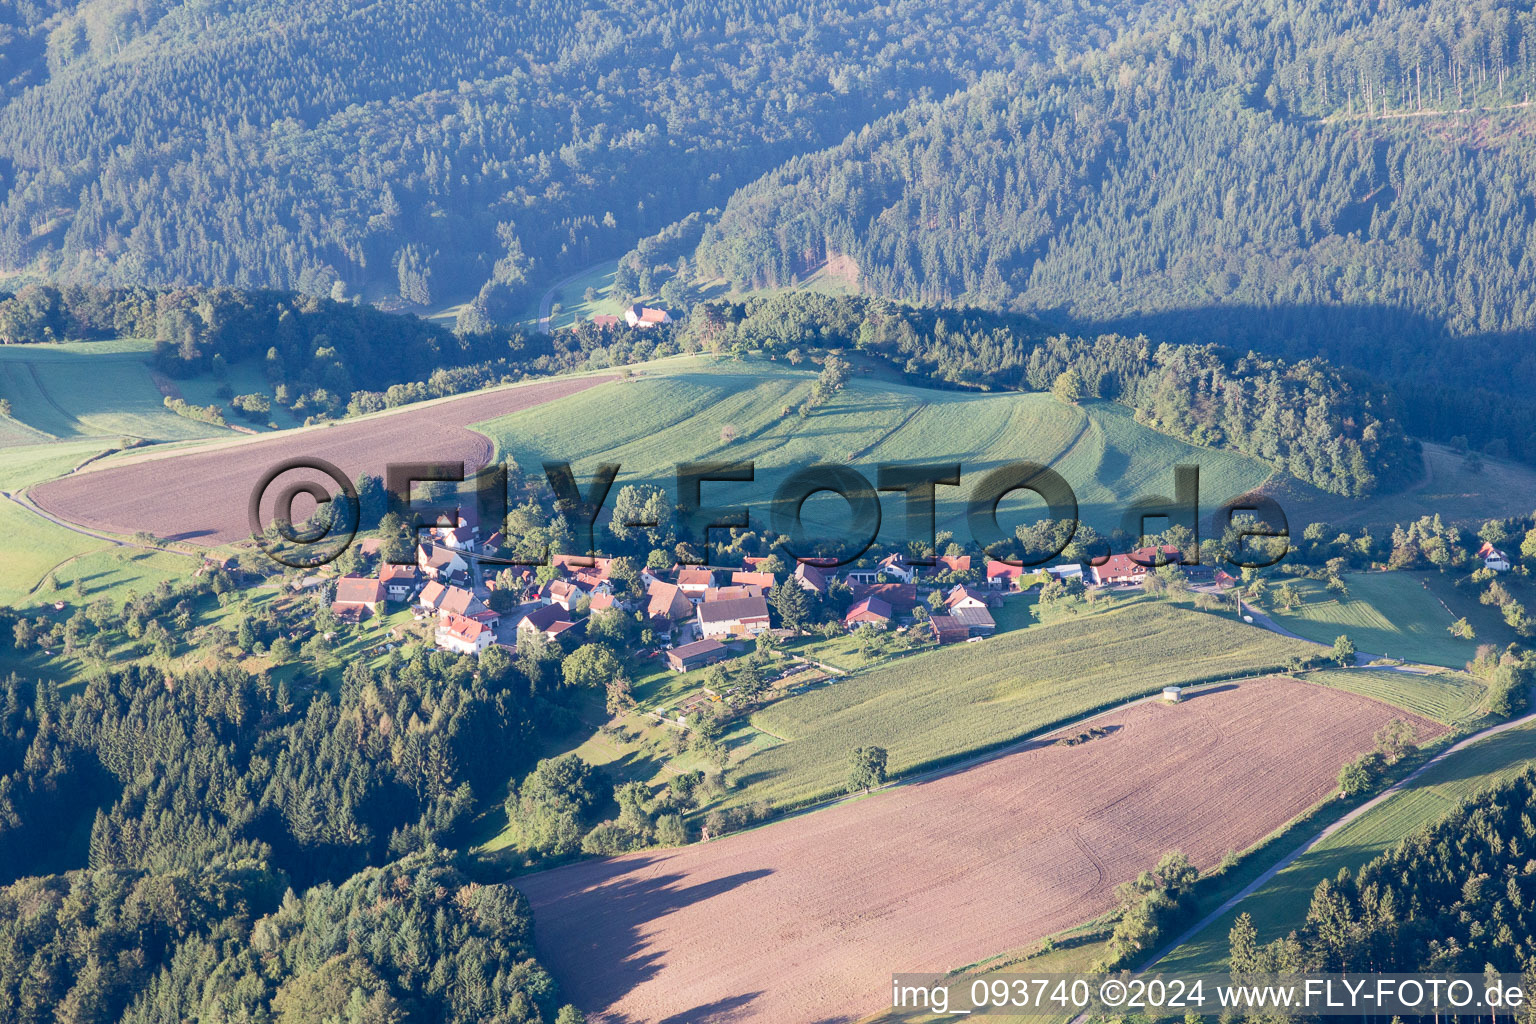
<point x="200" y="495"/>
<point x="804" y="922"/>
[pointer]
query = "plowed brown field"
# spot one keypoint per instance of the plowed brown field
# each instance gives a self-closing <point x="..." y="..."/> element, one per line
<point x="805" y="921"/>
<point x="201" y="495"/>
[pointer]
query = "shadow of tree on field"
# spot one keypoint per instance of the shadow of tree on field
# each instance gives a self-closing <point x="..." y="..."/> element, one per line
<point x="592" y="924"/>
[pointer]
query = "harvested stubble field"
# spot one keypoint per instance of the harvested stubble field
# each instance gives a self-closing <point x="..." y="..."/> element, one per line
<point x="806" y="920"/>
<point x="200" y="495"/>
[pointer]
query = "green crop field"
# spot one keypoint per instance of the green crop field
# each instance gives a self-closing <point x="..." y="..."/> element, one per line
<point x="1452" y="698"/>
<point x="1390" y="614"/>
<point x="1281" y="904"/>
<point x="691" y="410"/>
<point x="940" y="705"/>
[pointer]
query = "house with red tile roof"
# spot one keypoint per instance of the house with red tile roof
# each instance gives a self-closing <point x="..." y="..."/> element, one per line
<point x="693" y="580"/>
<point x="871" y="611"/>
<point x="466" y="636"/>
<point x="400" y="581"/>
<point x="646" y="316"/>
<point x="1132" y="568"/>
<point x="902" y="597"/>
<point x="357" y="597"/>
<point x="667" y="604"/>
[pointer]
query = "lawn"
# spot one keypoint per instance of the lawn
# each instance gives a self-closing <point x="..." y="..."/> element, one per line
<point x="727" y="410"/>
<point x="24" y="465"/>
<point x="1281" y="904"/>
<point x="941" y="705"/>
<point x="1391" y="614"/>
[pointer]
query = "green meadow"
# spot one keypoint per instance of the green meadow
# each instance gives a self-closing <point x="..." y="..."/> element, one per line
<point x="1451" y="698"/>
<point x="694" y="410"/>
<point x="1392" y="614"/>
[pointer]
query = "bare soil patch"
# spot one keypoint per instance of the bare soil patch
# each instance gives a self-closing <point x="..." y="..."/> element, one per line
<point x="805" y="921"/>
<point x="201" y="495"/>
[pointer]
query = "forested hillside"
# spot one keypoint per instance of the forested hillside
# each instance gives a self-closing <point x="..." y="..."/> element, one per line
<point x="1300" y="183"/>
<point x="206" y="795"/>
<point x="423" y="149"/>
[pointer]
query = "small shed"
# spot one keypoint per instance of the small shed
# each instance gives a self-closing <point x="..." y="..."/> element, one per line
<point x="1173" y="694"/>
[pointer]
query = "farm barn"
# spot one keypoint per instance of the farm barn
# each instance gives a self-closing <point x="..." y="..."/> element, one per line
<point x="696" y="655"/>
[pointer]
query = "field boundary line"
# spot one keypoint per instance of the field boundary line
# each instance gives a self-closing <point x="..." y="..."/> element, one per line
<point x="20" y="499"/>
<point x="1294" y="855"/>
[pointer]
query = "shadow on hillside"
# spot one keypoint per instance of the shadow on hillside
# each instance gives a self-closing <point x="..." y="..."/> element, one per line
<point x="1476" y="385"/>
<point x="599" y="930"/>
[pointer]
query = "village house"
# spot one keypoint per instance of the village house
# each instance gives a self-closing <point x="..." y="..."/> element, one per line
<point x="560" y="592"/>
<point x="901" y="597"/>
<point x="731" y="593"/>
<point x="1124" y="570"/>
<point x="645" y="316"/>
<point x="458" y="601"/>
<point x="441" y="600"/>
<point x="977" y="621"/>
<point x="811" y="578"/>
<point x="763" y="581"/>
<point x="742" y="616"/>
<point x="666" y="605"/>
<point x="871" y="611"/>
<point x="548" y="620"/>
<point x="606" y="320"/>
<point x="400" y="581"/>
<point x="950" y="563"/>
<point x="696" y="655"/>
<point x="1493" y="558"/>
<point x="1002" y="576"/>
<point x="439" y="562"/>
<point x="694" y="580"/>
<point x="962" y="596"/>
<point x="458" y="538"/>
<point x="466" y="636"/>
<point x="357" y="597"/>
